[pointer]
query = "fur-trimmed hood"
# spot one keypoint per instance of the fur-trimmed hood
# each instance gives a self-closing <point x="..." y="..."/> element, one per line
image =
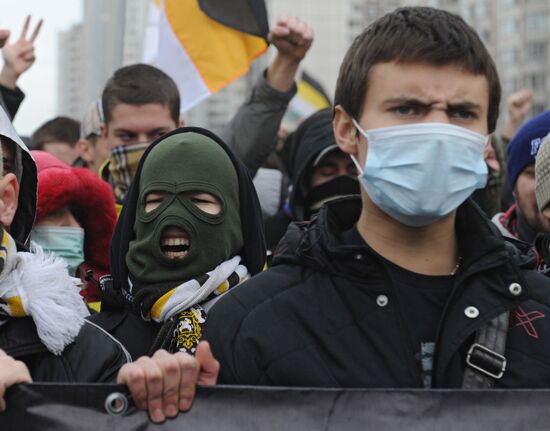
<point x="90" y="198"/>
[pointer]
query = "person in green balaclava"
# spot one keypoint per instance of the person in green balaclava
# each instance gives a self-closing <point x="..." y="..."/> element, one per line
<point x="187" y="234"/>
<point x="187" y="221"/>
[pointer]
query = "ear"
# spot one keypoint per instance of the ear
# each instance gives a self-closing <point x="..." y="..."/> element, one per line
<point x="84" y="149"/>
<point x="345" y="131"/>
<point x="490" y="155"/>
<point x="104" y="130"/>
<point x="9" y="195"/>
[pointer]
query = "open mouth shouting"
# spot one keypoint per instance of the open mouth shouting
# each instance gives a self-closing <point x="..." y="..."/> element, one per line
<point x="174" y="243"/>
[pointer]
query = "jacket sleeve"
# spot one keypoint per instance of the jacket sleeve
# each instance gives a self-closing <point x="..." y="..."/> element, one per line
<point x="11" y="99"/>
<point x="108" y="355"/>
<point x="238" y="361"/>
<point x="252" y="133"/>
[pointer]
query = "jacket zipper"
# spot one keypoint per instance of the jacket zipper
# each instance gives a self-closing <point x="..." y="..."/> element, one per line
<point x="414" y="365"/>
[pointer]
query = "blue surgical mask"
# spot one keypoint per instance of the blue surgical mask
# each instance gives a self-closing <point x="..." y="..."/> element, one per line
<point x="419" y="173"/>
<point x="65" y="242"/>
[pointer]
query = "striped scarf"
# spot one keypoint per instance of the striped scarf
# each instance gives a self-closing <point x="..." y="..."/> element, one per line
<point x="183" y="309"/>
<point x="39" y="286"/>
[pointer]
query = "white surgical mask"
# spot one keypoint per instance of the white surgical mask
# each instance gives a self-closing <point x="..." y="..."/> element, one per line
<point x="419" y="173"/>
<point x="65" y="242"/>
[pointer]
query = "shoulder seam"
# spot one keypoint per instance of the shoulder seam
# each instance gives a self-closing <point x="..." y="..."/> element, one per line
<point x="126" y="353"/>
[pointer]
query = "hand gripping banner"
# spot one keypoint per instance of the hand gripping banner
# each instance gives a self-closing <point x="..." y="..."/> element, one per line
<point x="106" y="407"/>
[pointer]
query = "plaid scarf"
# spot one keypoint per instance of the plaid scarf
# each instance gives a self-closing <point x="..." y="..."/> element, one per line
<point x="183" y="308"/>
<point x="123" y="164"/>
<point x="39" y="286"/>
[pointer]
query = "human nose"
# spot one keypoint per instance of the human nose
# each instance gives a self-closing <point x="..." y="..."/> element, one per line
<point x="142" y="138"/>
<point x="437" y="115"/>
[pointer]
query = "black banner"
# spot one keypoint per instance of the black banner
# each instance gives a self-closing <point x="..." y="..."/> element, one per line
<point x="87" y="407"/>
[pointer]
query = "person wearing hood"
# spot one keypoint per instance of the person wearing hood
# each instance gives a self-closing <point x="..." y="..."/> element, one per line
<point x="189" y="231"/>
<point x="75" y="219"/>
<point x="319" y="172"/>
<point x="42" y="315"/>
<point x="44" y="334"/>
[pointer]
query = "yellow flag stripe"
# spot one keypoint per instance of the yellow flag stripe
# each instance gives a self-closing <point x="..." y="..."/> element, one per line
<point x="312" y="95"/>
<point x="219" y="53"/>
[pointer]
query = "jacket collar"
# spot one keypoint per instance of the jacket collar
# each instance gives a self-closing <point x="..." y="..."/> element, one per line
<point x="318" y="244"/>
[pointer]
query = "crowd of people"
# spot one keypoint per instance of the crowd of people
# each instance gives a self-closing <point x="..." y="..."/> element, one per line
<point x="406" y="244"/>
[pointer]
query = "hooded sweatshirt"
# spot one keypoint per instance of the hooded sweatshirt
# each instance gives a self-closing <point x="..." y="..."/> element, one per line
<point x="313" y="140"/>
<point x="140" y="303"/>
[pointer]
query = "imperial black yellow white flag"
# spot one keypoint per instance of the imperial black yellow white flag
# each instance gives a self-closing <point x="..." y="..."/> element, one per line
<point x="204" y="45"/>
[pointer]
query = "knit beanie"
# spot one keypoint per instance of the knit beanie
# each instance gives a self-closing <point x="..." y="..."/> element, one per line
<point x="523" y="149"/>
<point x="542" y="174"/>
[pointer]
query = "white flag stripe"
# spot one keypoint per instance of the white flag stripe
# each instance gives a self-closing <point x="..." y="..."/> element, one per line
<point x="174" y="60"/>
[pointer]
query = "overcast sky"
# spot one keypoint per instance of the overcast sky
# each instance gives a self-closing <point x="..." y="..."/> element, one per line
<point x="40" y="82"/>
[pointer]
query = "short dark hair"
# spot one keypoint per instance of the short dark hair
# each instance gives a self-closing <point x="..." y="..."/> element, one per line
<point x="139" y="84"/>
<point x="415" y="34"/>
<point x="60" y="129"/>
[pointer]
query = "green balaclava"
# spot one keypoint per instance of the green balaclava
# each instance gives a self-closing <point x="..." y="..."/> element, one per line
<point x="183" y="163"/>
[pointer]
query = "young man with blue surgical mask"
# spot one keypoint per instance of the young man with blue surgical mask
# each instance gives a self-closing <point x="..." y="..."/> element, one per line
<point x="409" y="285"/>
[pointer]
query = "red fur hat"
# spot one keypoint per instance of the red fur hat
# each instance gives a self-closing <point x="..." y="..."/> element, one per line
<point x="60" y="185"/>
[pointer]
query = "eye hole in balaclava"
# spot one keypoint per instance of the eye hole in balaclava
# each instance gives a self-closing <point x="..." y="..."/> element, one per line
<point x="187" y="219"/>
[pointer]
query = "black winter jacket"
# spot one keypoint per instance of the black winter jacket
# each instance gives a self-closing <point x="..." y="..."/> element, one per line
<point x="94" y="356"/>
<point x="313" y="318"/>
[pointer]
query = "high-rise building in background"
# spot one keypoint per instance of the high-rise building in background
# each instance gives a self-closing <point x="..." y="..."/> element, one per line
<point x="522" y="39"/>
<point x="109" y="36"/>
<point x="517" y="33"/>
<point x="70" y="91"/>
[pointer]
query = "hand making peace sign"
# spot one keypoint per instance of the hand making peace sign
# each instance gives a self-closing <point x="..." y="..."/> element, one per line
<point x="18" y="56"/>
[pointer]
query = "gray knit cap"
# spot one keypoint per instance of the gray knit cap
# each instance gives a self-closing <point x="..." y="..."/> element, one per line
<point x="542" y="174"/>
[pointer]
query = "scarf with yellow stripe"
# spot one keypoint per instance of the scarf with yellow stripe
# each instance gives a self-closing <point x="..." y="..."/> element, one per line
<point x="183" y="308"/>
<point x="39" y="286"/>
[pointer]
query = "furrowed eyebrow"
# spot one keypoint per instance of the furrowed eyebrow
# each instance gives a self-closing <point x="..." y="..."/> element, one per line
<point x="411" y="101"/>
<point x="469" y="106"/>
<point x="407" y="101"/>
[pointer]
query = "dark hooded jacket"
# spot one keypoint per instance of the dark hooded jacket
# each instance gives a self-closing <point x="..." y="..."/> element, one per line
<point x="117" y="317"/>
<point x="313" y="137"/>
<point x="18" y="337"/>
<point x="318" y="303"/>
